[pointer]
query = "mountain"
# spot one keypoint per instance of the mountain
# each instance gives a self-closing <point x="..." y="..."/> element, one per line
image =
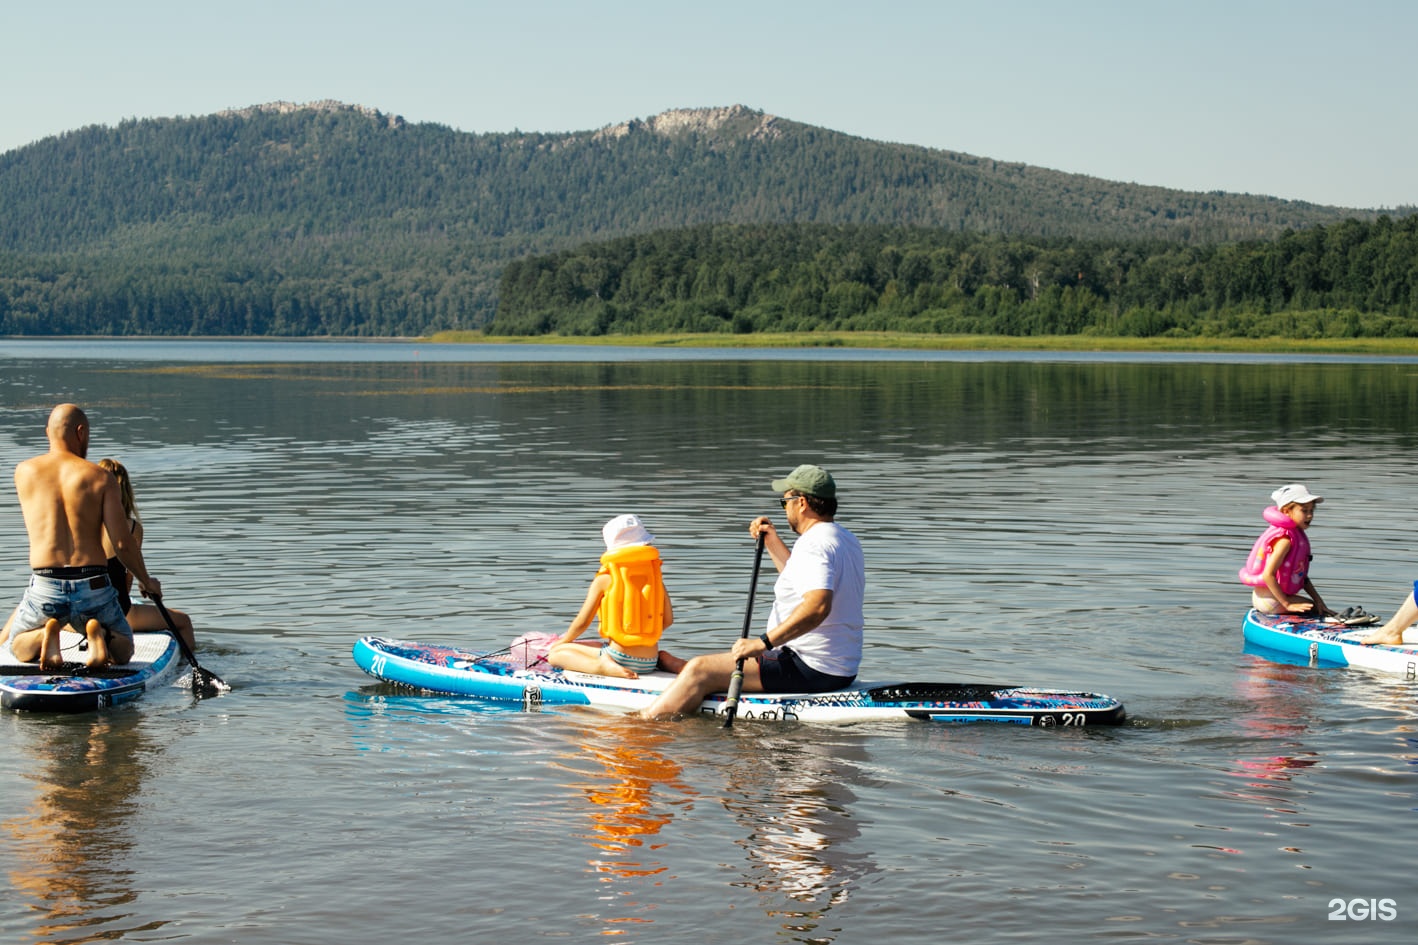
<point x="328" y="218"/>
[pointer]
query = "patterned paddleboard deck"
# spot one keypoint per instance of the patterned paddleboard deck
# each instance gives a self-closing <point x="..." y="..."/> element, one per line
<point x="1305" y="639"/>
<point x="76" y="688"/>
<point x="452" y="671"/>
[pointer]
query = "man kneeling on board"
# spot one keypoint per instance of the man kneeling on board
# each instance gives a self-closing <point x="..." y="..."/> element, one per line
<point x="68" y="503"/>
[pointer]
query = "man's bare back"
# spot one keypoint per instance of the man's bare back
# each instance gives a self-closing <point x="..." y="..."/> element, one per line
<point x="62" y="498"/>
<point x="68" y="503"/>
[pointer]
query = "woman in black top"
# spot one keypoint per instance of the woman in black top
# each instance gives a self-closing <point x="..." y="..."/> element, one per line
<point x="141" y="617"/>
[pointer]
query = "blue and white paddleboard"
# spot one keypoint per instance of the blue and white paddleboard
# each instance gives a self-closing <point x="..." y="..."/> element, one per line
<point x="1326" y="644"/>
<point x="451" y="671"/>
<point x="76" y="688"/>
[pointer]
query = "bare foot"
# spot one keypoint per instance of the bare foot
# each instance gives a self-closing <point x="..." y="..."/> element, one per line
<point x="671" y="663"/>
<point x="1393" y="636"/>
<point x="610" y="667"/>
<point x="50" y="654"/>
<point x="98" y="644"/>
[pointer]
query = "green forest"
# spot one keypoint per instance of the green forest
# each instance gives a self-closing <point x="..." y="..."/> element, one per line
<point x="336" y="220"/>
<point x="1346" y="280"/>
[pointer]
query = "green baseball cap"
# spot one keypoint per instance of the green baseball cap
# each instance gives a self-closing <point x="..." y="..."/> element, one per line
<point x="809" y="480"/>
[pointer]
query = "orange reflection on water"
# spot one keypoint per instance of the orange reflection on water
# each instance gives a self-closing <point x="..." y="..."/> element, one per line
<point x="628" y="804"/>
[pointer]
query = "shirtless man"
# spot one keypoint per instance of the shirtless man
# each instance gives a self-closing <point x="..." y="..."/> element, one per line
<point x="68" y="503"/>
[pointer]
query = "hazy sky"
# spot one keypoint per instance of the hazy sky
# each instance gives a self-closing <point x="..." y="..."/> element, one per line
<point x="1294" y="98"/>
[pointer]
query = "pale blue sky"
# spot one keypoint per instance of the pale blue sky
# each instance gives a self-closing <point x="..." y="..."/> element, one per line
<point x="1295" y="98"/>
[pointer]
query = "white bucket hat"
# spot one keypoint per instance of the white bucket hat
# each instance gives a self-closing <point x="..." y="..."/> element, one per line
<point x="624" y="530"/>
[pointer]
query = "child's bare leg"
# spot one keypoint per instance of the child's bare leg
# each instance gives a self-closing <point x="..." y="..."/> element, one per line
<point x="577" y="657"/>
<point x="51" y="656"/>
<point x="671" y="663"/>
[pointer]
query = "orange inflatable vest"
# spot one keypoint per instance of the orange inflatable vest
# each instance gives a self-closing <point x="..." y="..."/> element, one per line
<point x="633" y="608"/>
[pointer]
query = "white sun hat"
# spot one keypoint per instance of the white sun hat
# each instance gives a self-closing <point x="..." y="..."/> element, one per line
<point x="625" y="530"/>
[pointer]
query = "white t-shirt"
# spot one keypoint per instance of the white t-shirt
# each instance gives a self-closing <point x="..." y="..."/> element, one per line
<point x="826" y="557"/>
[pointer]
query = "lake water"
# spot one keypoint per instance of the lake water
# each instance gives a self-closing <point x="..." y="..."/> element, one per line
<point x="1064" y="521"/>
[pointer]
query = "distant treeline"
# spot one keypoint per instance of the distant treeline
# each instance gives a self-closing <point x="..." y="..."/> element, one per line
<point x="301" y="285"/>
<point x="1350" y="279"/>
<point x="330" y="219"/>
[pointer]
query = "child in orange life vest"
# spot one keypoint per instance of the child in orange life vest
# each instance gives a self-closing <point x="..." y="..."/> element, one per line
<point x="629" y="596"/>
<point x="1279" y="565"/>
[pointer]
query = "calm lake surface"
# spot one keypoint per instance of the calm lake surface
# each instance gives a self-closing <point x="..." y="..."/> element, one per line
<point x="1028" y="519"/>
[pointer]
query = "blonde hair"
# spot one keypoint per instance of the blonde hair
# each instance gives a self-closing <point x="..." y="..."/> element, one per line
<point x="125" y="486"/>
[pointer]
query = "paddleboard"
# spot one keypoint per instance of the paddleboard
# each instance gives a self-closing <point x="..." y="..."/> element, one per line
<point x="77" y="688"/>
<point x="452" y="671"/>
<point x="1326" y="644"/>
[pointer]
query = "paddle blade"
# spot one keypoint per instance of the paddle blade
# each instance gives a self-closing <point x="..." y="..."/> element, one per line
<point x="206" y="683"/>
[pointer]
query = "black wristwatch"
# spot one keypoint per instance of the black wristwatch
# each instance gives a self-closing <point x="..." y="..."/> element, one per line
<point x="766" y="642"/>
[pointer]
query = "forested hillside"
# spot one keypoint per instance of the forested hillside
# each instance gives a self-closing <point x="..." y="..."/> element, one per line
<point x="329" y="219"/>
<point x="1348" y="279"/>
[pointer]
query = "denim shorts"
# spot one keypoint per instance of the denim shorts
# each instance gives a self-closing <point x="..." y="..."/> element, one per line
<point x="782" y="670"/>
<point x="71" y="602"/>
